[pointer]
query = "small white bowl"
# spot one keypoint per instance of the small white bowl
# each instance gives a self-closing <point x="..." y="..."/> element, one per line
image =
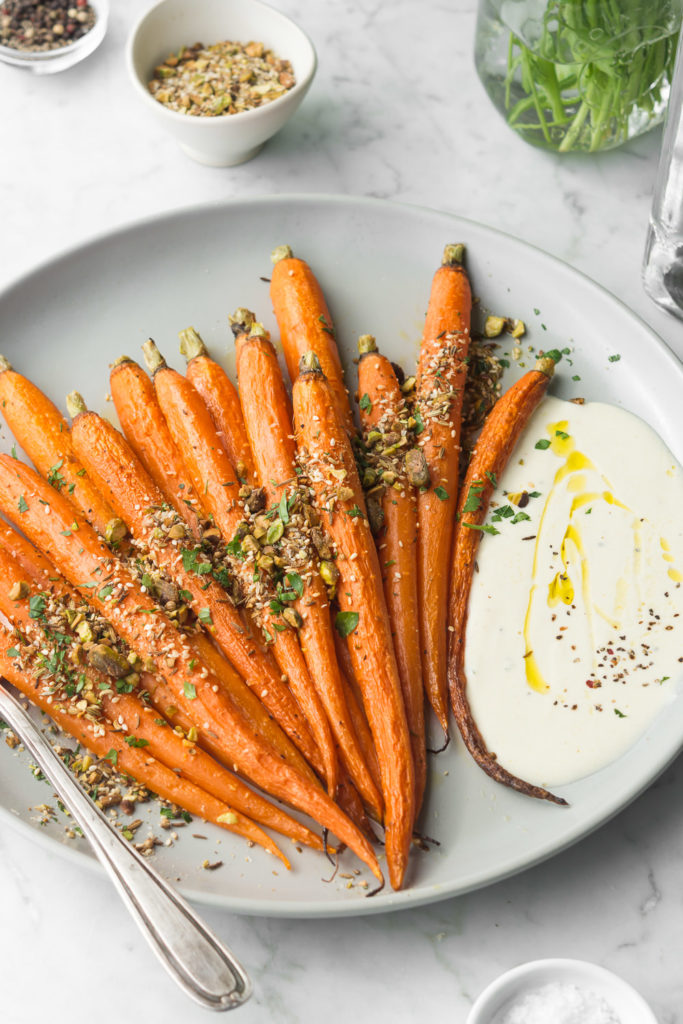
<point x="47" y="62"/>
<point x="628" y="1005"/>
<point x="170" y="24"/>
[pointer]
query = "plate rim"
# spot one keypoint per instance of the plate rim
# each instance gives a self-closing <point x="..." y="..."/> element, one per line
<point x="387" y="901"/>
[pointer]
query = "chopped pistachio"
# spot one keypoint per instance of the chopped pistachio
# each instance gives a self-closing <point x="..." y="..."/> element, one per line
<point x="417" y="469"/>
<point x="115" y="531"/>
<point x="494" y="326"/>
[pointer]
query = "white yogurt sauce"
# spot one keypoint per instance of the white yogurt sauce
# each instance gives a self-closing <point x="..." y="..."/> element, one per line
<point x="575" y="629"/>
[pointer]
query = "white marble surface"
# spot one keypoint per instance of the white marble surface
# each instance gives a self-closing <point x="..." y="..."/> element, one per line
<point x="396" y="111"/>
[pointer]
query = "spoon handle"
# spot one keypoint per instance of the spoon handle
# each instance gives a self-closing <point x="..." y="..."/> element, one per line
<point x="191" y="954"/>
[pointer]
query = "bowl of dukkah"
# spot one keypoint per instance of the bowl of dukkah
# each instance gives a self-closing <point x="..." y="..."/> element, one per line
<point x="50" y="35"/>
<point x="222" y="76"/>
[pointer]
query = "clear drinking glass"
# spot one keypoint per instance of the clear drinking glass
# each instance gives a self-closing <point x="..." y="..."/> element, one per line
<point x="578" y="75"/>
<point x="663" y="265"/>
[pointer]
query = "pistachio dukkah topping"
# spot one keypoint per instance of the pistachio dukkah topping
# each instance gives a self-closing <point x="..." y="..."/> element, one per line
<point x="388" y="456"/>
<point x="226" y="78"/>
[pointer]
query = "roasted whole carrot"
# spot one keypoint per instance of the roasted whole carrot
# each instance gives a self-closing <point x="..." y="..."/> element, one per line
<point x="394" y="477"/>
<point x="161" y="535"/>
<point x="103" y="740"/>
<point x="221" y="399"/>
<point x="143" y="423"/>
<point x="213" y="476"/>
<point x="145" y="427"/>
<point x="305" y="324"/>
<point x="354" y="702"/>
<point x="498" y="438"/>
<point x="441" y="375"/>
<point x="87" y="563"/>
<point x="268" y="419"/>
<point x="24" y="579"/>
<point x="43" y="433"/>
<point x="326" y="452"/>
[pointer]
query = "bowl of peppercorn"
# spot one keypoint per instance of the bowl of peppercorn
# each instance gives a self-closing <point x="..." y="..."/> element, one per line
<point x="50" y="35"/>
<point x="224" y="96"/>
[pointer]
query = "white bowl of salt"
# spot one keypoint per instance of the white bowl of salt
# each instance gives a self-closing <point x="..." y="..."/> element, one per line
<point x="561" y="992"/>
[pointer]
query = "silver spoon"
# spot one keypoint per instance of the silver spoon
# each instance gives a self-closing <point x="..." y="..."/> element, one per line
<point x="191" y="954"/>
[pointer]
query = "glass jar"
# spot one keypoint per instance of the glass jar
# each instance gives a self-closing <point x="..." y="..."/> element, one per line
<point x="578" y="75"/>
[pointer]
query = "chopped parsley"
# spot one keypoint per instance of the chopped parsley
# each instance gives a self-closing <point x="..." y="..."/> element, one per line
<point x="441" y="493"/>
<point x="54" y="477"/>
<point x="23" y="507"/>
<point x="614" y="358"/>
<point x="365" y="403"/>
<point x="485" y="528"/>
<point x="346" y="622"/>
<point x="190" y="691"/>
<point x="133" y="741"/>
<point x="473" y="500"/>
<point x="542" y="444"/>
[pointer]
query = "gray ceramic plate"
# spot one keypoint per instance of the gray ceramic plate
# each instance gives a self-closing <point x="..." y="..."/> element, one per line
<point x="63" y="325"/>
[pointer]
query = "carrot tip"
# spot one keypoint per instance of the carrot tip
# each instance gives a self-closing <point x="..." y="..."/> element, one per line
<point x="153" y="357"/>
<point x="309" y="363"/>
<point x="75" y="404"/>
<point x="241" y="321"/>
<point x="546" y="365"/>
<point x="366" y="344"/>
<point x="281" y="252"/>
<point x="453" y="254"/>
<point x="191" y="345"/>
<point x="4" y="364"/>
<point x="121" y="361"/>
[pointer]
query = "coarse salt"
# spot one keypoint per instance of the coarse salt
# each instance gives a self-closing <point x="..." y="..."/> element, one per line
<point x="560" y="1003"/>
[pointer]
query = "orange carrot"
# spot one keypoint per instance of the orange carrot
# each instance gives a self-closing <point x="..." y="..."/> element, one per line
<point x="326" y="449"/>
<point x="221" y="399"/>
<point x="146" y="429"/>
<point x="213" y="476"/>
<point x="268" y="419"/>
<point x="384" y="420"/>
<point x="108" y="587"/>
<point x="43" y="433"/>
<point x="125" y="710"/>
<point x="103" y="740"/>
<point x="305" y="324"/>
<point x="143" y="423"/>
<point x="137" y="500"/>
<point x="354" y="702"/>
<point x="441" y="374"/>
<point x="494" y="447"/>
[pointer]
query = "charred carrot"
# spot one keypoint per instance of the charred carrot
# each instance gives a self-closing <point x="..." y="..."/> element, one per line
<point x="43" y="433"/>
<point x="213" y="476"/>
<point x="393" y="477"/>
<point x="494" y="447"/>
<point x="163" y="537"/>
<point x="326" y="449"/>
<point x="268" y="418"/>
<point x="85" y="561"/>
<point x="143" y="423"/>
<point x="441" y="373"/>
<point x="221" y="399"/>
<point x="305" y="324"/>
<point x="106" y="742"/>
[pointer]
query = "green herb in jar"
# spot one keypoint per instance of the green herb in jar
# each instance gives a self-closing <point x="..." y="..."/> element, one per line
<point x="226" y="78"/>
